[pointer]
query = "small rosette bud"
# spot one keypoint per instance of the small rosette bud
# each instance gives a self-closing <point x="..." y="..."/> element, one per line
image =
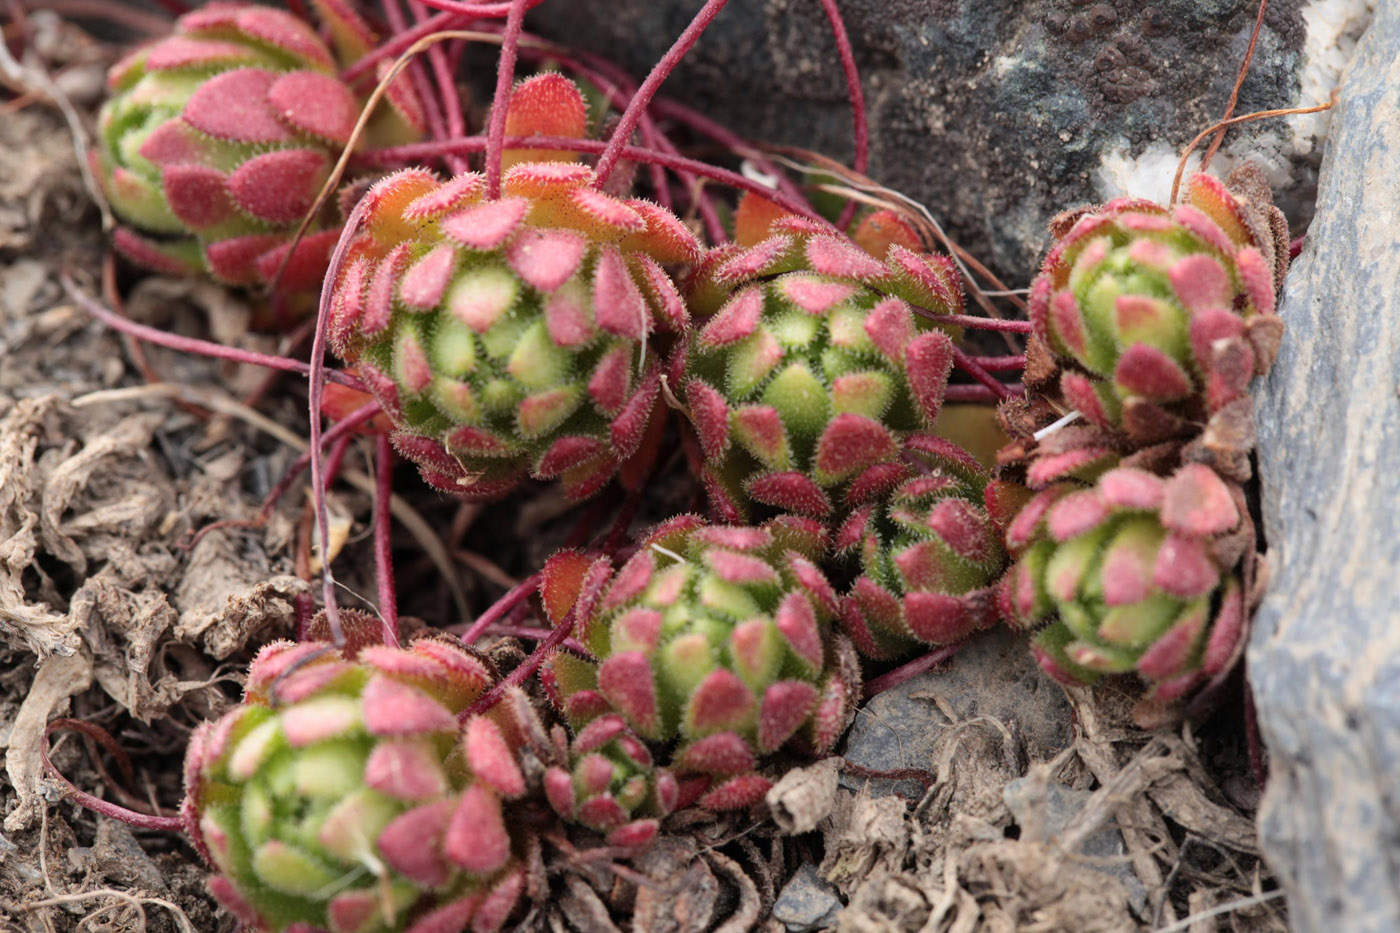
<point x="1137" y="573"/>
<point x="1166" y="312"/>
<point x="512" y="336"/>
<point x="813" y="363"/>
<point x="718" y="636"/>
<point x="217" y="139"/>
<point x="612" y="785"/>
<point x="929" y="556"/>
<point x="346" y="796"/>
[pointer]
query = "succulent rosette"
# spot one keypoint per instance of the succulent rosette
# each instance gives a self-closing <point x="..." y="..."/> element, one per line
<point x="717" y="636"/>
<point x="1135" y="574"/>
<point x="516" y="335"/>
<point x="216" y="140"/>
<point x="811" y="364"/>
<point x="612" y="784"/>
<point x="929" y="557"/>
<point x="346" y="795"/>
<point x="1166" y="313"/>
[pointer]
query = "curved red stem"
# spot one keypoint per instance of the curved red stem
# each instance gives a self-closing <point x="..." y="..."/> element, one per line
<point x="193" y="345"/>
<point x="857" y="96"/>
<point x="979" y="393"/>
<point x="419" y="151"/>
<point x="383" y="524"/>
<point x="908" y="671"/>
<point x="315" y="392"/>
<point x="623" y="131"/>
<point x="505" y="75"/>
<point x="970" y="366"/>
<point x="418" y="75"/>
<point x="982" y="323"/>
<point x="453" y="15"/>
<point x="97" y="804"/>
<point x="502" y="607"/>
<point x="542" y="651"/>
<point x="994" y="364"/>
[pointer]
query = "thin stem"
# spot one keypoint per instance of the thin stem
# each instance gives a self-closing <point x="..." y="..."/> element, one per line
<point x="539" y="634"/>
<point x="193" y="345"/>
<point x="443" y="76"/>
<point x="1239" y="82"/>
<point x="314" y="396"/>
<point x="383" y="524"/>
<point x="335" y="434"/>
<point x="911" y="670"/>
<point x="722" y="135"/>
<point x="502" y="607"/>
<point x="542" y="651"/>
<point x="857" y="97"/>
<point x="453" y="16"/>
<point x="980" y="394"/>
<point x="1000" y="363"/>
<point x="418" y="75"/>
<point x="97" y="804"/>
<point x="418" y="151"/>
<point x="505" y="75"/>
<point x="1249" y="117"/>
<point x="970" y="366"/>
<point x="982" y="323"/>
<point x="623" y="131"/>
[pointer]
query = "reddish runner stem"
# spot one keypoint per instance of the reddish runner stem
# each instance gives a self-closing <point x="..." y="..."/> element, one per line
<point x="505" y="75"/>
<point x="453" y="15"/>
<point x="418" y="151"/>
<point x="192" y="345"/>
<point x="315" y="392"/>
<point x="539" y="634"/>
<point x="908" y="671"/>
<point x="857" y="95"/>
<point x="418" y="75"/>
<point x="970" y="366"/>
<point x="444" y="77"/>
<point x="659" y="73"/>
<point x="542" y="651"/>
<point x="97" y="804"/>
<point x="982" y="323"/>
<point x="1000" y="363"/>
<point x="501" y="608"/>
<point x="978" y="393"/>
<point x="383" y="524"/>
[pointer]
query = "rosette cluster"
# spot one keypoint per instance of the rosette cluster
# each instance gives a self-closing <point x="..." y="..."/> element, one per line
<point x="611" y="784"/>
<point x="813" y="361"/>
<point x="929" y="556"/>
<point x="717" y="636"/>
<point x="517" y="335"/>
<point x="345" y="795"/>
<point x="1164" y="314"/>
<point x="1138" y="573"/>
<point x="217" y="138"/>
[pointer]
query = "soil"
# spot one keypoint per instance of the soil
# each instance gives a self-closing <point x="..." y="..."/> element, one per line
<point x="112" y="457"/>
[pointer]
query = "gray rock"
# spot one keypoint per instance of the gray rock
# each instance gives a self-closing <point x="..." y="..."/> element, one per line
<point x="998" y="115"/>
<point x="993" y="676"/>
<point x="807" y="902"/>
<point x="1324" y="657"/>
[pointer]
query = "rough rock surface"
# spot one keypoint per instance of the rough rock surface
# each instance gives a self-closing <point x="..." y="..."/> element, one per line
<point x="997" y="115"/>
<point x="1324" y="658"/>
<point x="994" y="676"/>
<point x="806" y="902"/>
